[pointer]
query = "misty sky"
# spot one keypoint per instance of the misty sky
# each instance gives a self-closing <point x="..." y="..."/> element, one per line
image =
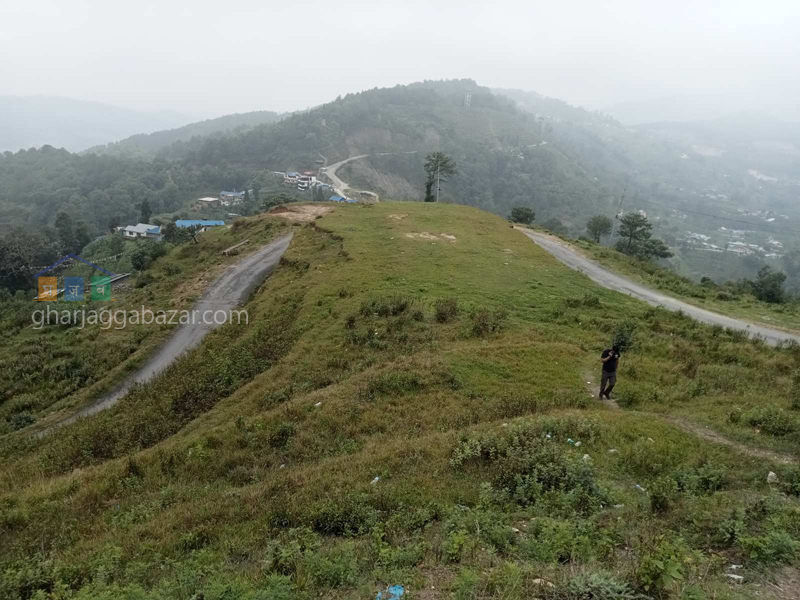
<point x="209" y="58"/>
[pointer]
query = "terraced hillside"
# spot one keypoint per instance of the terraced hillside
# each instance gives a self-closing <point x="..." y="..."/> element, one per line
<point x="412" y="403"/>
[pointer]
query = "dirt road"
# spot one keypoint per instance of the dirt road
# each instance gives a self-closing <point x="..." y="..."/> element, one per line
<point x="608" y="279"/>
<point x="232" y="288"/>
<point x="339" y="186"/>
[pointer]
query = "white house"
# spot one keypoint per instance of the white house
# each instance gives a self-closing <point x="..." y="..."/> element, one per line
<point x="141" y="230"/>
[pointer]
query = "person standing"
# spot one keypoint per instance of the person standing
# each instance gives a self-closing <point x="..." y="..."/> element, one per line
<point x="610" y="359"/>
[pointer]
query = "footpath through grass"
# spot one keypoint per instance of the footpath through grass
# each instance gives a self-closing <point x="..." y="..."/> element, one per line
<point x="409" y="406"/>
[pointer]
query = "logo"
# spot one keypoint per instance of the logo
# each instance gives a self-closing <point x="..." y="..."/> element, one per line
<point x="73" y="289"/>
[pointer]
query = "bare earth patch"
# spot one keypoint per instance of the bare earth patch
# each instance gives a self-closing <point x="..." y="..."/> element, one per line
<point x="429" y="236"/>
<point x="398" y="216"/>
<point x="304" y="213"/>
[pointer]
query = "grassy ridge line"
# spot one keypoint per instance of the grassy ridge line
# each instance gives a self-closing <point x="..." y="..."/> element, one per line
<point x="377" y="375"/>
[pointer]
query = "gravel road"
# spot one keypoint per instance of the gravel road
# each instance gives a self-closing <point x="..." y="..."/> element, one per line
<point x="608" y="279"/>
<point x="231" y="289"/>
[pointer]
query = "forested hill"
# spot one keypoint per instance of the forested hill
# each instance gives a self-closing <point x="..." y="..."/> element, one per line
<point x="511" y="148"/>
<point x="503" y="155"/>
<point x="147" y="145"/>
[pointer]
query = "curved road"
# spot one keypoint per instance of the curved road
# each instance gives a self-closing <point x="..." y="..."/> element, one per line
<point x="340" y="186"/>
<point x="608" y="279"/>
<point x="232" y="288"/>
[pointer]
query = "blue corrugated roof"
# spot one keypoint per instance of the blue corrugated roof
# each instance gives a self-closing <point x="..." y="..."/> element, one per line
<point x="194" y="222"/>
<point x="350" y="200"/>
<point x="336" y="199"/>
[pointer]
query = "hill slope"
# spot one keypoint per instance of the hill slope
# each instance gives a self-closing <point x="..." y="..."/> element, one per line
<point x="37" y="121"/>
<point x="405" y="407"/>
<point x="148" y="144"/>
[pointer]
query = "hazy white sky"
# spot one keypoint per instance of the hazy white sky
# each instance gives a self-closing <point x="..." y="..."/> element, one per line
<point x="208" y="58"/>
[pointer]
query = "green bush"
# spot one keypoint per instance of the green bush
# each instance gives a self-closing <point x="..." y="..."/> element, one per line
<point x="662" y="568"/>
<point x="279" y="437"/>
<point x="624" y="335"/>
<point x="526" y="465"/>
<point x="771" y="548"/>
<point x="445" y="309"/>
<point x="386" y="307"/>
<point x="772" y="420"/>
<point x="143" y="280"/>
<point x="599" y="586"/>
<point x="336" y="567"/>
<point x="485" y="322"/>
<point x="21" y="420"/>
<point x="347" y="514"/>
<point x="663" y="492"/>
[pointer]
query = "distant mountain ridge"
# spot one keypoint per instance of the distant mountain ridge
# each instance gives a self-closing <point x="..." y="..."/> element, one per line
<point x="149" y="143"/>
<point x="36" y="121"/>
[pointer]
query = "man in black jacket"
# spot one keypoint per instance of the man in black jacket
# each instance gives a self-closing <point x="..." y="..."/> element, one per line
<point x="610" y="359"/>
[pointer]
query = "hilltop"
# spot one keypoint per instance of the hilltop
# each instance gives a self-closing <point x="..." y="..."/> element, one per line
<point x="413" y="402"/>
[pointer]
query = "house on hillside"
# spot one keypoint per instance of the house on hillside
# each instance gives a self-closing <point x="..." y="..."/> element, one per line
<point x="291" y="178"/>
<point x="141" y="230"/>
<point x="208" y="201"/>
<point x="231" y="198"/>
<point x="336" y="198"/>
<point x="201" y="223"/>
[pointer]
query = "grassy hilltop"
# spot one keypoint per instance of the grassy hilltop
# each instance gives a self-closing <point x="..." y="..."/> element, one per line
<point x="399" y="410"/>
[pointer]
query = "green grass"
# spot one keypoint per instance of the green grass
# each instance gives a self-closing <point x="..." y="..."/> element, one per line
<point x="398" y="411"/>
<point x="722" y="299"/>
<point x="50" y="370"/>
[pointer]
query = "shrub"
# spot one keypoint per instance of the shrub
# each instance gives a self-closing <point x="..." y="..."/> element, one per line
<point x="386" y="307"/>
<point x="276" y="587"/>
<point x="561" y="541"/>
<point x="663" y="492"/>
<point x="662" y="568"/>
<point x="623" y="335"/>
<point x="143" y="280"/>
<point x="599" y="586"/>
<point x="335" y="568"/>
<point x="522" y="214"/>
<point x="772" y="420"/>
<point x="772" y="548"/>
<point x="281" y="434"/>
<point x="446" y="309"/>
<point x="527" y="465"/>
<point x="21" y="420"/>
<point x="347" y="514"/>
<point x="172" y="269"/>
<point x="395" y="383"/>
<point x="701" y="480"/>
<point x="485" y="322"/>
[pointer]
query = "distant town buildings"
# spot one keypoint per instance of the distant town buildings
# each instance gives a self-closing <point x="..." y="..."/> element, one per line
<point x="231" y="198"/>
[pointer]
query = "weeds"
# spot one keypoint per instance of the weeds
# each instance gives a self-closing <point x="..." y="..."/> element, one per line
<point x="445" y="310"/>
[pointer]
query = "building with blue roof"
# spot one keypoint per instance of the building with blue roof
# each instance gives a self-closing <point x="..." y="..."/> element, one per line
<point x="336" y="198"/>
<point x="186" y="223"/>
